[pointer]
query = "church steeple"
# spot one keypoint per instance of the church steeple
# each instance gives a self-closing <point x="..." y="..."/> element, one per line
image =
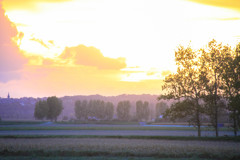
<point x="8" y="96"/>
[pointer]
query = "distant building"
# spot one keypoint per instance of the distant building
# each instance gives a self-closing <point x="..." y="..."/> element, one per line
<point x="8" y="96"/>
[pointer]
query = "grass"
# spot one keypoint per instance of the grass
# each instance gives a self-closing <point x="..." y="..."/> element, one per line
<point x="92" y="158"/>
<point x="109" y="128"/>
<point x="180" y="138"/>
<point x="19" y="122"/>
<point x="121" y="148"/>
<point x="100" y="122"/>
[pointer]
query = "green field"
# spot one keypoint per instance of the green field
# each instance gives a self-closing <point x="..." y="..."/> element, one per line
<point x="118" y="127"/>
<point x="115" y="147"/>
<point x="93" y="158"/>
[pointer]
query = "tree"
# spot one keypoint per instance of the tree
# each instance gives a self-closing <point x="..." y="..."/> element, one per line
<point x="231" y="85"/>
<point x="212" y="61"/>
<point x="187" y="84"/>
<point x="161" y="108"/>
<point x="99" y="108"/>
<point x="183" y="109"/>
<point x="123" y="109"/>
<point x="81" y="109"/>
<point x="41" y="110"/>
<point x="142" y="110"/>
<point x="109" y="110"/>
<point x="54" y="108"/>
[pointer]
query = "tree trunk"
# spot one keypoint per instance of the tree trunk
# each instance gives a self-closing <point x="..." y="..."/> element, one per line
<point x="198" y="118"/>
<point x="199" y="131"/>
<point x="235" y="127"/>
<point x="216" y="120"/>
<point x="198" y="122"/>
<point x="215" y="105"/>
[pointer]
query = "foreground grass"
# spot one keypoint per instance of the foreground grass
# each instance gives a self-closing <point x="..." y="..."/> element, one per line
<point x="99" y="122"/>
<point x="180" y="138"/>
<point x="92" y="158"/>
<point x="115" y="147"/>
<point x="109" y="128"/>
<point x="19" y="122"/>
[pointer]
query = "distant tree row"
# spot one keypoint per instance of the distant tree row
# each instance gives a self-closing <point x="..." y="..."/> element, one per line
<point x="49" y="109"/>
<point x="207" y="81"/>
<point x="94" y="109"/>
<point x="100" y="110"/>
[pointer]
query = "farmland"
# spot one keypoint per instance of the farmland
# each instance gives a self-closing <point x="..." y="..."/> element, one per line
<point x="98" y="141"/>
<point x="114" y="147"/>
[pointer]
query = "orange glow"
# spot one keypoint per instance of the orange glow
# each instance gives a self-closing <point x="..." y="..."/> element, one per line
<point x="94" y="46"/>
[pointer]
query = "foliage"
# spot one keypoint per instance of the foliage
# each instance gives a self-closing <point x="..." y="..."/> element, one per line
<point x="183" y="109"/>
<point x="212" y="60"/>
<point x="94" y="110"/>
<point x="41" y="109"/>
<point x="54" y="108"/>
<point x="187" y="83"/>
<point x="231" y="85"/>
<point x="123" y="109"/>
<point x="142" y="110"/>
<point x="109" y="110"/>
<point x="81" y="109"/>
<point x="49" y="109"/>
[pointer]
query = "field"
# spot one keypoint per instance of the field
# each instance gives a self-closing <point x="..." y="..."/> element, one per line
<point x="30" y="142"/>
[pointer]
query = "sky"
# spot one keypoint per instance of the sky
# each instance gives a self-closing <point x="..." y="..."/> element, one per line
<point x="107" y="47"/>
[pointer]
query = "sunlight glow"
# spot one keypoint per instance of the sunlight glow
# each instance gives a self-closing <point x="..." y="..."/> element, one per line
<point x="145" y="32"/>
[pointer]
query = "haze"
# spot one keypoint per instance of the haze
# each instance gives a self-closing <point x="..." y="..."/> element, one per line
<point x="107" y="47"/>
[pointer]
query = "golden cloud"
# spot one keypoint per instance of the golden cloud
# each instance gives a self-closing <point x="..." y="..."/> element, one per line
<point x="40" y="42"/>
<point x="26" y="4"/>
<point x="91" y="56"/>
<point x="231" y="4"/>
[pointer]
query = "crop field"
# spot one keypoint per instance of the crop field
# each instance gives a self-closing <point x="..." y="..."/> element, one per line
<point x="114" y="147"/>
<point x="20" y="141"/>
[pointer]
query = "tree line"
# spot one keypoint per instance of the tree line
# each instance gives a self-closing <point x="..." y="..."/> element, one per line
<point x="100" y="110"/>
<point x="207" y="81"/>
<point x="96" y="110"/>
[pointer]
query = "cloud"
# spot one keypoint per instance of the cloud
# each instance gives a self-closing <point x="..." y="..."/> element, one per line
<point x="40" y="42"/>
<point x="91" y="56"/>
<point x="11" y="59"/>
<point x="231" y="4"/>
<point x="27" y="4"/>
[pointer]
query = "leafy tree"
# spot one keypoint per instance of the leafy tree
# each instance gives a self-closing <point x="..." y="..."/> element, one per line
<point x="123" y="109"/>
<point x="96" y="109"/>
<point x="161" y="108"/>
<point x="41" y="110"/>
<point x="81" y="109"/>
<point x="90" y="110"/>
<point x="54" y="108"/>
<point x="142" y="110"/>
<point x="231" y="85"/>
<point x="212" y="61"/>
<point x="183" y="109"/>
<point x="187" y="83"/>
<point x="99" y="109"/>
<point x="109" y="110"/>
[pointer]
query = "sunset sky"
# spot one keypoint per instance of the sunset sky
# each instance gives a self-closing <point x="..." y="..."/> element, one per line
<point x="107" y="47"/>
